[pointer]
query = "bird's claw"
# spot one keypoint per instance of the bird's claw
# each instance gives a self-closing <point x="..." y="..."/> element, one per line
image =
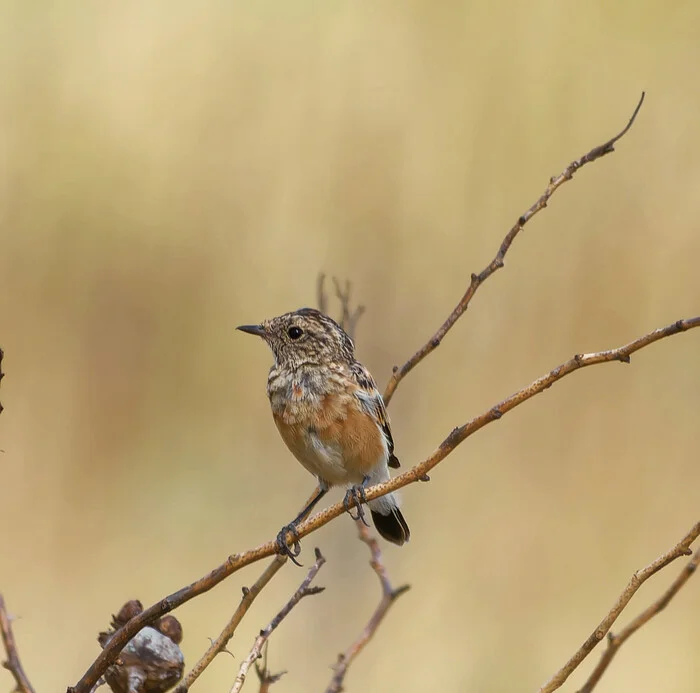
<point x="283" y="548"/>
<point x="357" y="494"/>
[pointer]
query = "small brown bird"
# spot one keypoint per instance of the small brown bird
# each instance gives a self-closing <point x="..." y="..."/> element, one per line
<point x="331" y="416"/>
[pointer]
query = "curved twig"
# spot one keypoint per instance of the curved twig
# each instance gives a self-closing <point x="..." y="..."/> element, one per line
<point x="219" y="645"/>
<point x="13" y="664"/>
<point x="478" y="279"/>
<point x="389" y="596"/>
<point x="682" y="548"/>
<point x="458" y="435"/>
<point x="615" y="642"/>
<point x="304" y="590"/>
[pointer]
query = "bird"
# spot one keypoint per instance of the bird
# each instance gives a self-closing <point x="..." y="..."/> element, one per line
<point x="331" y="416"/>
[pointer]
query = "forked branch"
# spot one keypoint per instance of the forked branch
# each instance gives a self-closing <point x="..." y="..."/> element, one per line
<point x="389" y="596"/>
<point x="304" y="590"/>
<point x="237" y="561"/>
<point x="13" y="664"/>
<point x="498" y="261"/>
<point x="219" y="645"/>
<point x="682" y="548"/>
<point x="615" y="642"/>
<point x="458" y="435"/>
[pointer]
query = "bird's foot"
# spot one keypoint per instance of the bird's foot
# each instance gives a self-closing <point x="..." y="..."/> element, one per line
<point x="286" y="550"/>
<point x="356" y="494"/>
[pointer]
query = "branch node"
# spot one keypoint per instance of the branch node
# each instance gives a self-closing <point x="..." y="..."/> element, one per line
<point x="424" y="477"/>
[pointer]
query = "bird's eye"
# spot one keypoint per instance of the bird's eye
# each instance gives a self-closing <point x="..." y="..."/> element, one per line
<point x="295" y="332"/>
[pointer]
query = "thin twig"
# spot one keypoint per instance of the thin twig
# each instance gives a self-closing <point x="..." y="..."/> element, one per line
<point x="249" y="594"/>
<point x="616" y="641"/>
<point x="682" y="548"/>
<point x="264" y="676"/>
<point x="389" y="596"/>
<point x="478" y="279"/>
<point x="458" y="435"/>
<point x="348" y="318"/>
<point x="13" y="664"/>
<point x="2" y="375"/>
<point x="304" y="590"/>
<point x="219" y="645"/>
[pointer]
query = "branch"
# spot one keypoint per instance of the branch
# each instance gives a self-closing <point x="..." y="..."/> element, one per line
<point x="458" y="435"/>
<point x="389" y="596"/>
<point x="348" y="318"/>
<point x="219" y="645"/>
<point x="616" y="641"/>
<point x="13" y="665"/>
<point x="264" y="676"/>
<point x="2" y="375"/>
<point x="256" y="651"/>
<point x="348" y="321"/>
<point x="641" y="576"/>
<point x="478" y="279"/>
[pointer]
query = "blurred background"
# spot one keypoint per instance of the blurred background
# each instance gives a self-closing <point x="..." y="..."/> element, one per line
<point x="170" y="170"/>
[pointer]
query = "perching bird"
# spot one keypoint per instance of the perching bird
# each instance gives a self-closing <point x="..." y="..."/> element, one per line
<point x="330" y="414"/>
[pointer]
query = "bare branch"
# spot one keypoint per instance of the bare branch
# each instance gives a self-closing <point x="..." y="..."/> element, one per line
<point x="304" y="590"/>
<point x="348" y="318"/>
<point x="389" y="596"/>
<point x="682" y="548"/>
<point x="478" y="279"/>
<point x="219" y="645"/>
<point x="249" y="594"/>
<point x="13" y="664"/>
<point x="264" y="676"/>
<point x="616" y="641"/>
<point x="2" y="375"/>
<point x="458" y="435"/>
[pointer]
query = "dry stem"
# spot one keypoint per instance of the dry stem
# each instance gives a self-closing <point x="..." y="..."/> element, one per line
<point x="237" y="561"/>
<point x="264" y="676"/>
<point x="389" y="596"/>
<point x="478" y="279"/>
<point x="13" y="664"/>
<point x="256" y="651"/>
<point x="458" y="435"/>
<point x="616" y="641"/>
<point x="219" y="645"/>
<point x="682" y="548"/>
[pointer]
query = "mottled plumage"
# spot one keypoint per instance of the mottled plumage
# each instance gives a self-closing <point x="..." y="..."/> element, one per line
<point x="329" y="412"/>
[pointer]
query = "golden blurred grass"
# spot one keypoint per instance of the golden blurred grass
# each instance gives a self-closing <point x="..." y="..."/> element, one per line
<point x="171" y="170"/>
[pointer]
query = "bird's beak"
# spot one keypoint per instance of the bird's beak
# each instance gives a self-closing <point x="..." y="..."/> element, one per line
<point x="258" y="330"/>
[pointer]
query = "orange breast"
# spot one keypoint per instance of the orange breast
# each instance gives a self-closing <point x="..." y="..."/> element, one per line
<point x="336" y="440"/>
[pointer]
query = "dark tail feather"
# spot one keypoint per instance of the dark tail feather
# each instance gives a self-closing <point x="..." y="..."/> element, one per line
<point x="392" y="526"/>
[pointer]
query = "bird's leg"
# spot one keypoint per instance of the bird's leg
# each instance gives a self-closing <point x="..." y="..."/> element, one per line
<point x="295" y="549"/>
<point x="357" y="494"/>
